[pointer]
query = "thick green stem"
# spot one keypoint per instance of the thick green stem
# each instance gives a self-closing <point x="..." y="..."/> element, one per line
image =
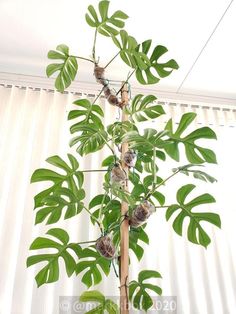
<point x="82" y="58"/>
<point x="96" y="170"/>
<point x="166" y="206"/>
<point x="94" y="46"/>
<point x="101" y="208"/>
<point x="162" y="182"/>
<point x="154" y="167"/>
<point x="97" y="221"/>
<point x="93" y="241"/>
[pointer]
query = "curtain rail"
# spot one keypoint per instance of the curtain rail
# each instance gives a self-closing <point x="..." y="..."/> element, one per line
<point x="37" y="89"/>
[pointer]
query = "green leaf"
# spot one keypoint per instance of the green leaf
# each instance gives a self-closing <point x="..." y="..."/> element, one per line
<point x="105" y="24"/>
<point x="197" y="174"/>
<point x="138" y="290"/>
<point x="108" y="161"/>
<point x="104" y="305"/>
<point x="147" y="142"/>
<point x="92" y="267"/>
<point x="146" y="76"/>
<point x="143" y="109"/>
<point x="67" y="69"/>
<point x="52" y="201"/>
<point x="50" y="272"/>
<point x="91" y="139"/>
<point x="88" y="113"/>
<point x="118" y="129"/>
<point x="194" y="153"/>
<point x="137" y="235"/>
<point x="195" y="231"/>
<point x="128" y="51"/>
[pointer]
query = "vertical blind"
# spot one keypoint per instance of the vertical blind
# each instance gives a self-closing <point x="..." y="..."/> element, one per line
<point x="33" y="126"/>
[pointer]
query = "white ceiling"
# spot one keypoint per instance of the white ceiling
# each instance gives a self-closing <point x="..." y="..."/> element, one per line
<point x="29" y="28"/>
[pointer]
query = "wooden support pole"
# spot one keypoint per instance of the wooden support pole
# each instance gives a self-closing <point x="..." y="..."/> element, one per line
<point x="124" y="229"/>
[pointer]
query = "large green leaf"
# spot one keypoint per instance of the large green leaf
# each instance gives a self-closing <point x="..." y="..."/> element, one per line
<point x="105" y="24"/>
<point x="138" y="290"/>
<point x="88" y="113"/>
<point x="91" y="139"/>
<point x="128" y="52"/>
<point x="55" y="203"/>
<point x="110" y="210"/>
<point x="104" y="305"/>
<point x="196" y="233"/>
<point x="65" y="192"/>
<point x="147" y="142"/>
<point x="146" y="76"/>
<point x="93" y="267"/>
<point x="118" y="129"/>
<point x="50" y="272"/>
<point x="136" y="236"/>
<point x="197" y="174"/>
<point x="142" y="108"/>
<point x="67" y="68"/>
<point x="194" y="153"/>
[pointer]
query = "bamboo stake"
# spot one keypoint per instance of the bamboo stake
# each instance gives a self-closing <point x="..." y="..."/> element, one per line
<point x="124" y="229"/>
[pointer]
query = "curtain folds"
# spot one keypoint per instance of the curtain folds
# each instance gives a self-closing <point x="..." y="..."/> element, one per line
<point x="34" y="126"/>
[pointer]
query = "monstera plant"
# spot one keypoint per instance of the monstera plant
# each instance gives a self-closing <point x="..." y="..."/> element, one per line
<point x="131" y="188"/>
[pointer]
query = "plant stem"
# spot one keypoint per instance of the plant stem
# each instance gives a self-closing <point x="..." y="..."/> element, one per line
<point x="108" y="145"/>
<point x="111" y="60"/>
<point x="101" y="207"/>
<point x="166" y="206"/>
<point x="86" y="242"/>
<point x="96" y="170"/>
<point x="98" y="96"/>
<point x="94" y="46"/>
<point x="163" y="182"/>
<point x="82" y="58"/>
<point x="99" y="224"/>
<point x="154" y="167"/>
<point x="122" y="86"/>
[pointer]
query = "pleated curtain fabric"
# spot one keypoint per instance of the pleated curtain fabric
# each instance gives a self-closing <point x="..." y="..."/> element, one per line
<point x="33" y="127"/>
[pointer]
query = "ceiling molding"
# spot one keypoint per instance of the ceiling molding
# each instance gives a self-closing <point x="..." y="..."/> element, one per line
<point x="93" y="88"/>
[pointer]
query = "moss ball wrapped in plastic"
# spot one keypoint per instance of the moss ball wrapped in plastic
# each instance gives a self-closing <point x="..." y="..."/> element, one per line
<point x="130" y="158"/>
<point x="105" y="247"/>
<point x="141" y="213"/>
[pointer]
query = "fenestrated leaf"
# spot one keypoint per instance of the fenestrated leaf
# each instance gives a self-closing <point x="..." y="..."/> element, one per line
<point x="67" y="68"/>
<point x="50" y="272"/>
<point x="88" y="113"/>
<point x="194" y="153"/>
<point x="128" y="52"/>
<point x="93" y="267"/>
<point x="147" y="142"/>
<point x="197" y="174"/>
<point x="138" y="290"/>
<point x="118" y="129"/>
<point x="91" y="139"/>
<point x="143" y="108"/>
<point x="55" y="203"/>
<point x="146" y="76"/>
<point x="105" y="24"/>
<point x="66" y="191"/>
<point x="196" y="233"/>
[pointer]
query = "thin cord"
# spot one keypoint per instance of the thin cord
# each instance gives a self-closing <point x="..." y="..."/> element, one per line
<point x="206" y="43"/>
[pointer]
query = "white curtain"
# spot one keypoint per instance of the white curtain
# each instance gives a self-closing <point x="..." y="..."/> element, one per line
<point x="33" y="126"/>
